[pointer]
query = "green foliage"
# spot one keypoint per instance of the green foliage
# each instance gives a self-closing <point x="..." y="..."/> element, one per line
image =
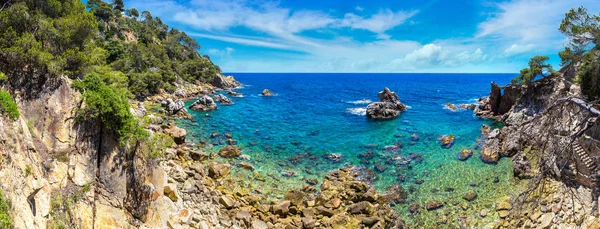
<point x="589" y="76"/>
<point x="87" y="187"/>
<point x="133" y="12"/>
<point x="5" y="221"/>
<point x="8" y="105"/>
<point x="27" y="170"/>
<point x="157" y="144"/>
<point x="63" y="204"/>
<point x="158" y="58"/>
<point x="3" y="77"/>
<point x="119" y="5"/>
<point x="49" y="37"/>
<point x="107" y="102"/>
<point x="537" y="67"/>
<point x="583" y="31"/>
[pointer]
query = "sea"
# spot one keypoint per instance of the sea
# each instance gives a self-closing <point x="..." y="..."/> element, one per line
<point x="316" y="123"/>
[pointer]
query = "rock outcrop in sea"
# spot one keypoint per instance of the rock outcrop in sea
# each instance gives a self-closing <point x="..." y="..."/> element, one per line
<point x="225" y="82"/>
<point x="204" y="103"/>
<point x="389" y="106"/>
<point x="267" y="92"/>
<point x="222" y="99"/>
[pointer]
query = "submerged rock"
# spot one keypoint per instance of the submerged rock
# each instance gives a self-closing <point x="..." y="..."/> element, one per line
<point x="334" y="157"/>
<point x="389" y="107"/>
<point x="230" y="152"/>
<point x="448" y="141"/>
<point x="451" y="106"/>
<point x="395" y="194"/>
<point x="266" y="92"/>
<point x="204" y="103"/>
<point x="367" y="155"/>
<point x="433" y="205"/>
<point x="468" y="106"/>
<point x="465" y="154"/>
<point x="470" y="196"/>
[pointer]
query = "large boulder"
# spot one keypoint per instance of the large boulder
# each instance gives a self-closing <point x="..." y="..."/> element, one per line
<point x="218" y="171"/>
<point x="204" y="103"/>
<point x="491" y="149"/>
<point x="177" y="133"/>
<point x="389" y="107"/>
<point x="225" y="82"/>
<point x="173" y="107"/>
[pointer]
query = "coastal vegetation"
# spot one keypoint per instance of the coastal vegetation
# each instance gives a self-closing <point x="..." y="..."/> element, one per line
<point x="112" y="56"/>
<point x="5" y="221"/>
<point x="583" y="31"/>
<point x="537" y="67"/>
<point x="8" y="105"/>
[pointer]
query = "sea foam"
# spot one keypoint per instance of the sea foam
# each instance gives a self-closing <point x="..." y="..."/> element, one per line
<point x="360" y="111"/>
<point x="357" y="102"/>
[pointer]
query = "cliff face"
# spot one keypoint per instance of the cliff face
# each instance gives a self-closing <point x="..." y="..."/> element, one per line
<point x="552" y="137"/>
<point x="50" y="160"/>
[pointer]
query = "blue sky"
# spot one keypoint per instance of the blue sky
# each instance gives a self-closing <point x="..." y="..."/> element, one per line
<point x="370" y="36"/>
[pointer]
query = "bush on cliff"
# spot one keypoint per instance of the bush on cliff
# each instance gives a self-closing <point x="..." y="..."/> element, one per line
<point x="5" y="221"/>
<point x="8" y="105"/>
<point x="108" y="103"/>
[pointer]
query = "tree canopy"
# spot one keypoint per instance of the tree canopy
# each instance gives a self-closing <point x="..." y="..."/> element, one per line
<point x="112" y="55"/>
<point x="537" y="67"/>
<point x="583" y="31"/>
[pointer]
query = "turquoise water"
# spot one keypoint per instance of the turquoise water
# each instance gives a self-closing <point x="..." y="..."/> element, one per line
<point x="321" y="114"/>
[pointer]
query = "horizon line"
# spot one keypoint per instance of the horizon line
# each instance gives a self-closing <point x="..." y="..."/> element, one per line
<point x="374" y="72"/>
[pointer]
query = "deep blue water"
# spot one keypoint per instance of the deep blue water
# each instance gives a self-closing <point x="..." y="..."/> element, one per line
<point x="310" y="113"/>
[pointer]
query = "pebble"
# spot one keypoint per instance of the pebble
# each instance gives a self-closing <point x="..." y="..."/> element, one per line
<point x="483" y="213"/>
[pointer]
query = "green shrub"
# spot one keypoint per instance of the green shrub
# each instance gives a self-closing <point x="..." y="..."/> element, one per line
<point x="5" y="221"/>
<point x="8" y="105"/>
<point x="109" y="105"/>
<point x="589" y="76"/>
<point x="157" y="145"/>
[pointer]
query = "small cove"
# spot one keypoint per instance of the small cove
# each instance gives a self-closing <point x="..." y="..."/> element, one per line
<point x="313" y="115"/>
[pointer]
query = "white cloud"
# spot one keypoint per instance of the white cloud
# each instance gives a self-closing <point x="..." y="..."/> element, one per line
<point x="270" y="18"/>
<point x="466" y="57"/>
<point x="429" y="54"/>
<point x="378" y="23"/>
<point x="517" y="28"/>
<point x="245" y="41"/>
<point x="529" y="20"/>
<point x="516" y="49"/>
<point x="226" y="52"/>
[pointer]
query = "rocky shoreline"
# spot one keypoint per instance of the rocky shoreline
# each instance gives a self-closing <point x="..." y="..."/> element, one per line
<point x="205" y="196"/>
<point x="552" y="199"/>
<point x="186" y="187"/>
